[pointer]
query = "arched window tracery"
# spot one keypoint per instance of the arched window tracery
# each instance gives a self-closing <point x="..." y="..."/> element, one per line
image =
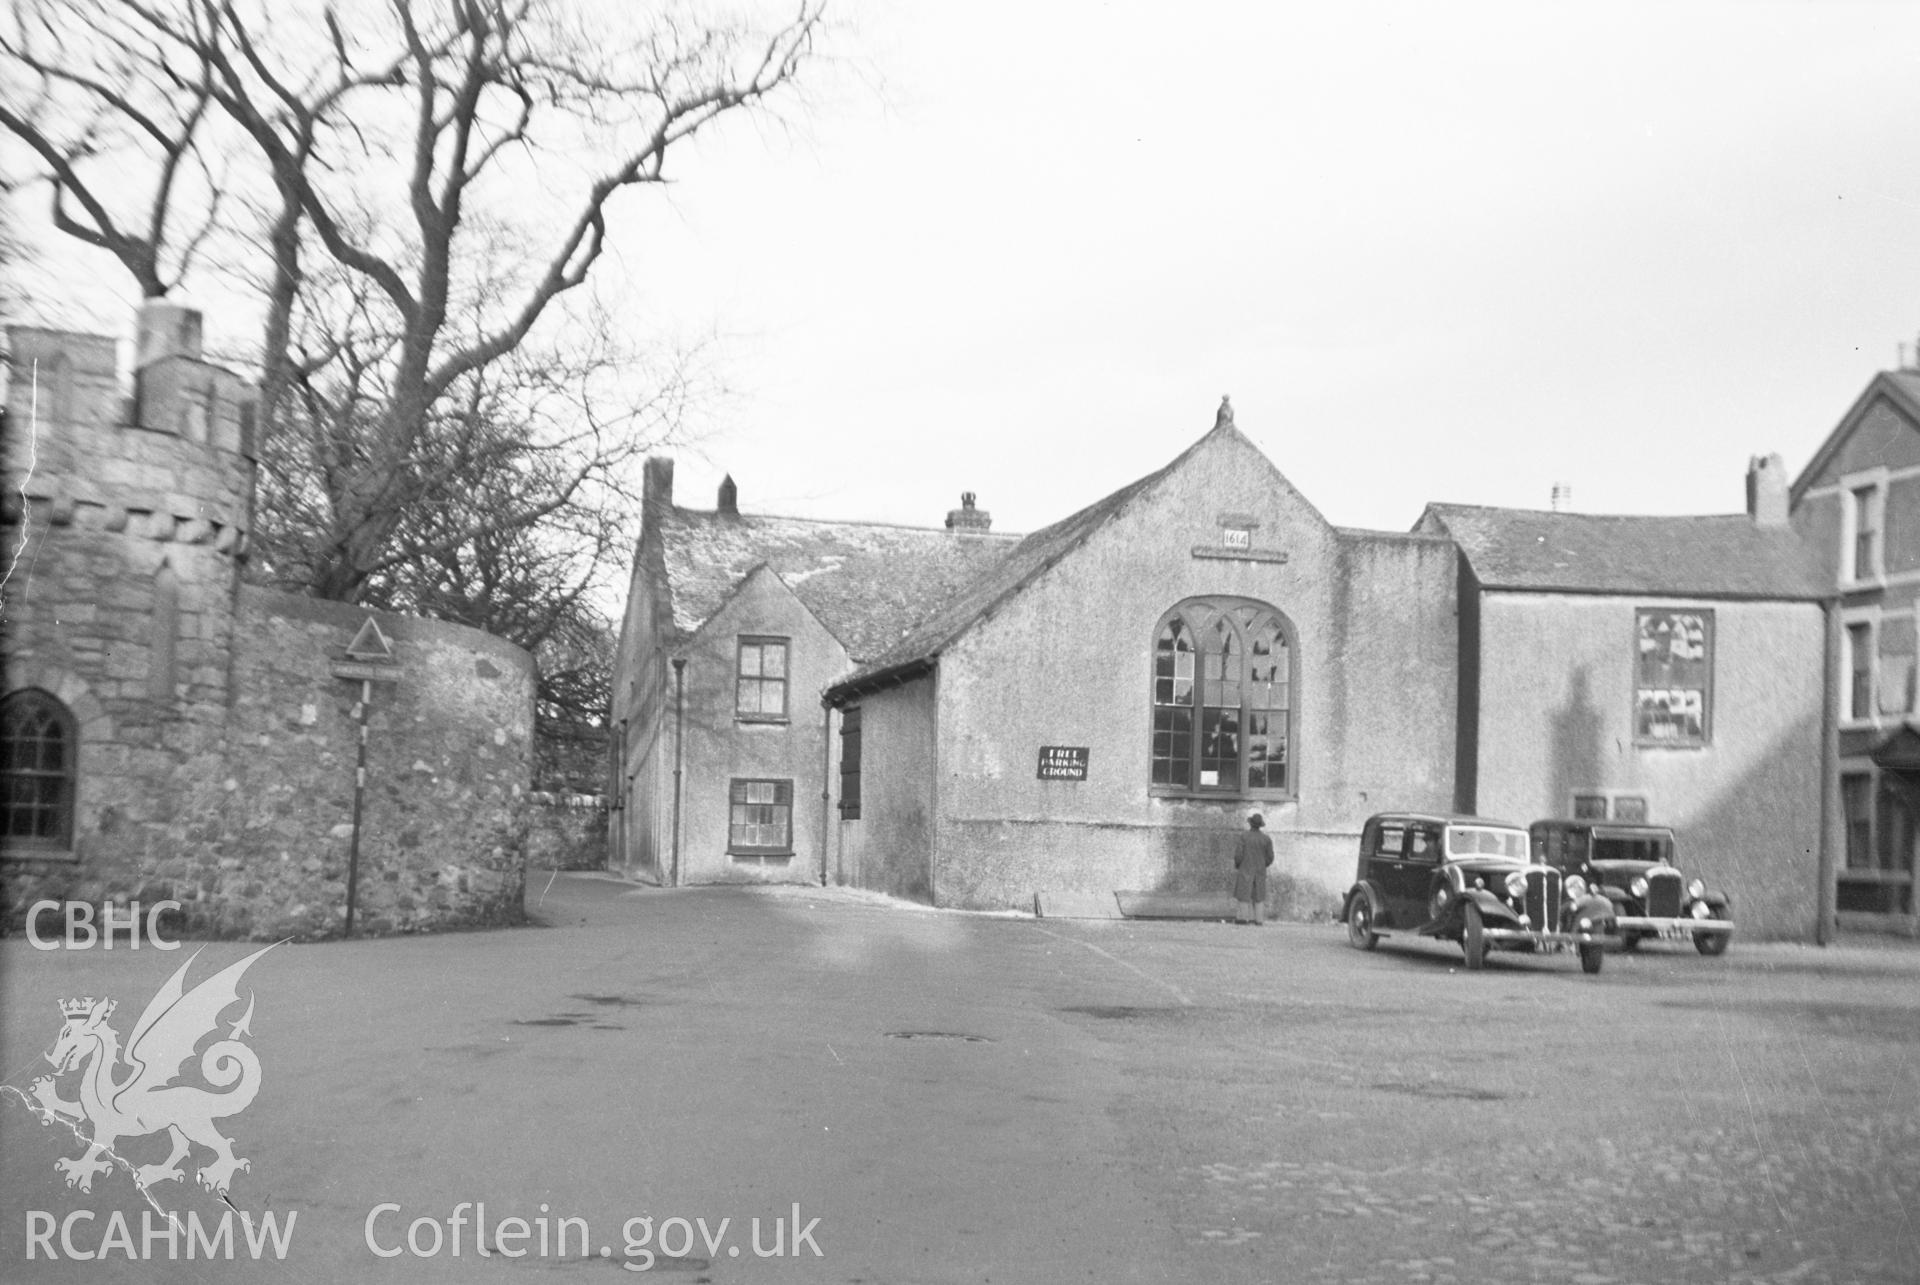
<point x="1223" y="700"/>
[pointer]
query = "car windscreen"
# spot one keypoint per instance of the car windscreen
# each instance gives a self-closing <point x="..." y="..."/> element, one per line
<point x="1480" y="840"/>
<point x="1634" y="848"/>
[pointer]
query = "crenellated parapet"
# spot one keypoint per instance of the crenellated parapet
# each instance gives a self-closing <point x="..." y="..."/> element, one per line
<point x="162" y="452"/>
<point x="163" y="517"/>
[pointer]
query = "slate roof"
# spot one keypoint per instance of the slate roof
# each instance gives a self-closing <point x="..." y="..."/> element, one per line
<point x="1716" y="556"/>
<point x="866" y="582"/>
<point x="1007" y="577"/>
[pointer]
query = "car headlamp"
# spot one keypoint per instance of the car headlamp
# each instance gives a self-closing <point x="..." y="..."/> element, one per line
<point x="1697" y="889"/>
<point x="1639" y="886"/>
<point x="1576" y="887"/>
<point x="1516" y="884"/>
<point x="1701" y="910"/>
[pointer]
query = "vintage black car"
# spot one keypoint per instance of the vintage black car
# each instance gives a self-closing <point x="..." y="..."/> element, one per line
<point x="1468" y="879"/>
<point x="1632" y="866"/>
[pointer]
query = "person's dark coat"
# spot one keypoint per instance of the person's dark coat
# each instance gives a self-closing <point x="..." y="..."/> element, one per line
<point x="1250" y="861"/>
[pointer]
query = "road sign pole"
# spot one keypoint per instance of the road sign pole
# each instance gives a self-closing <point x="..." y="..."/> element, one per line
<point x="369" y="661"/>
<point x="359" y="797"/>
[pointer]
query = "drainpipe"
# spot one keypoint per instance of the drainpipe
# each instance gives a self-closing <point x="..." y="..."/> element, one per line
<point x="826" y="787"/>
<point x="1831" y="820"/>
<point x="933" y="791"/>
<point x="679" y="737"/>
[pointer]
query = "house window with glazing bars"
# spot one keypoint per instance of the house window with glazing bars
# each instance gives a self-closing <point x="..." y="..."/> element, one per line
<point x="1893" y="838"/>
<point x="760" y="821"/>
<point x="1856" y="805"/>
<point x="38" y="744"/>
<point x="1860" y="671"/>
<point x="1673" y="686"/>
<point x="1223" y="700"/>
<point x="1866" y="532"/>
<point x="850" y="764"/>
<point x="760" y="692"/>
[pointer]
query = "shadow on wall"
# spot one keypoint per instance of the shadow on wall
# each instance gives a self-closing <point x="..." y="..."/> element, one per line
<point x="1575" y="746"/>
<point x="1297" y="900"/>
<point x="1775" y="883"/>
<point x="1197" y="858"/>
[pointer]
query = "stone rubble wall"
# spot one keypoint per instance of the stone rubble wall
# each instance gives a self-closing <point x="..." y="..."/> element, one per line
<point x="248" y="822"/>
<point x="449" y="753"/>
<point x="566" y="831"/>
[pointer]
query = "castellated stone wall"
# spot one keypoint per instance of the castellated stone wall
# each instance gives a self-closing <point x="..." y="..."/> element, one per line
<point x="212" y="749"/>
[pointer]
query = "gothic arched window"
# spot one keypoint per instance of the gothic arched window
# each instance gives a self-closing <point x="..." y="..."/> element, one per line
<point x="38" y="741"/>
<point x="1222" y="700"/>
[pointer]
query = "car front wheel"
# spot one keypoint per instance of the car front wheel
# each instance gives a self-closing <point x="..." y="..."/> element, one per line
<point x="1360" y="934"/>
<point x="1591" y="957"/>
<point x="1473" y="938"/>
<point x="1712" y="943"/>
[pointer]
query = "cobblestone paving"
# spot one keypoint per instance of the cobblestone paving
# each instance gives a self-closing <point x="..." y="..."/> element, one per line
<point x="1712" y="1209"/>
<point x="1739" y="1127"/>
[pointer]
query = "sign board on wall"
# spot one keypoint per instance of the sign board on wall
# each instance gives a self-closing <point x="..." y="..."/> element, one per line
<point x="1063" y="763"/>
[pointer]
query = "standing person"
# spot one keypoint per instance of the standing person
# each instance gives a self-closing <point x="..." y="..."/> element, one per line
<point x="1251" y="857"/>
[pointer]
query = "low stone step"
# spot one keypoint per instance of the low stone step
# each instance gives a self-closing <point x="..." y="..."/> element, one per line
<point x="1075" y="905"/>
<point x="1175" y="905"/>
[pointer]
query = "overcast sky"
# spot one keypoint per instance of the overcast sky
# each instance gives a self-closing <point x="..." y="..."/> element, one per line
<point x="1434" y="252"/>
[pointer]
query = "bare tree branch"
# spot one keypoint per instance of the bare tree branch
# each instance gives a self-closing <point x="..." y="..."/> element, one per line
<point x="419" y="193"/>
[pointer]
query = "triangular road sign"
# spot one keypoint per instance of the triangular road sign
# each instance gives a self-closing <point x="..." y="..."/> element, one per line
<point x="370" y="643"/>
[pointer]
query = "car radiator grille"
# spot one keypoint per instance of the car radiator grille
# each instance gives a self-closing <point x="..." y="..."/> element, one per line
<point x="1663" y="894"/>
<point x="1543" y="899"/>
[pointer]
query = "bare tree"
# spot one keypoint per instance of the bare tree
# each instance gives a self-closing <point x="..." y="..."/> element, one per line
<point x="544" y="430"/>
<point x="411" y="188"/>
<point x="10" y="294"/>
<point x="79" y="117"/>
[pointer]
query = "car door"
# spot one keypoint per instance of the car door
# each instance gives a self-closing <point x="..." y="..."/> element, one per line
<point x="1383" y="842"/>
<point x="1404" y="872"/>
<point x="1417" y="869"/>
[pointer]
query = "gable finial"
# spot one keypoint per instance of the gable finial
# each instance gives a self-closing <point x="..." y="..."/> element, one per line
<point x="1226" y="412"/>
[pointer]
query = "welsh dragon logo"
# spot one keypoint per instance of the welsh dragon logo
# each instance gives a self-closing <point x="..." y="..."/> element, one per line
<point x="144" y="1099"/>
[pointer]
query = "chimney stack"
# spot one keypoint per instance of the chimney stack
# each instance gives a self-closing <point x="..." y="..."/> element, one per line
<point x="967" y="520"/>
<point x="1562" y="497"/>
<point x="1767" y="490"/>
<point x="656" y="486"/>
<point x="729" y="499"/>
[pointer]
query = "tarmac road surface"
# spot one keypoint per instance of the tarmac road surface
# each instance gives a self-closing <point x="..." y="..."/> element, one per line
<point x="866" y="1092"/>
